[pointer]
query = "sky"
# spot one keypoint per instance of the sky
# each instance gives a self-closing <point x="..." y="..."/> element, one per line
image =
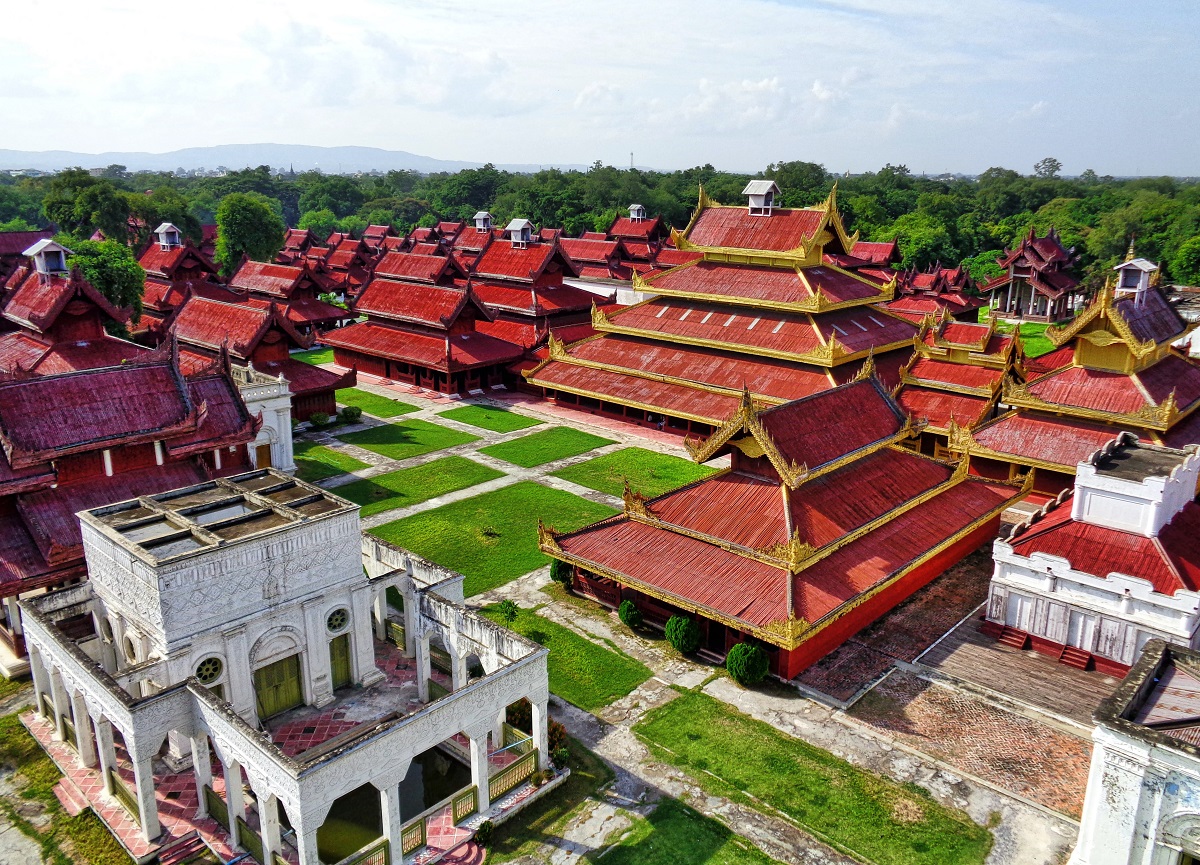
<point x="937" y="85"/>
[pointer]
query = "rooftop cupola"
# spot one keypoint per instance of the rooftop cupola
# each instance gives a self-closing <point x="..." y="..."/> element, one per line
<point x="637" y="213"/>
<point x="49" y="258"/>
<point x="1134" y="276"/>
<point x="483" y="221"/>
<point x="761" y="195"/>
<point x="168" y="236"/>
<point x="1134" y="486"/>
<point x="520" y="232"/>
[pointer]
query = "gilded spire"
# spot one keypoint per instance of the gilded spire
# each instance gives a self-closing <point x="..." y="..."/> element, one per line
<point x="1130" y="255"/>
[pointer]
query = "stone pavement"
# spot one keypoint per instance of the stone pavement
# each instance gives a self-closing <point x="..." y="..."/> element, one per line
<point x="1026" y="834"/>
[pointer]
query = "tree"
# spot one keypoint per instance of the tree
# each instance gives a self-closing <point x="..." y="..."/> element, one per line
<point x="162" y="205"/>
<point x="562" y="573"/>
<point x="247" y="225"/>
<point x="1185" y="267"/>
<point x="629" y="614"/>
<point x="683" y="633"/>
<point x="337" y="193"/>
<point x="113" y="271"/>
<point x="322" y="223"/>
<point x="80" y="204"/>
<point x="509" y="611"/>
<point x="747" y="663"/>
<point x="1047" y="168"/>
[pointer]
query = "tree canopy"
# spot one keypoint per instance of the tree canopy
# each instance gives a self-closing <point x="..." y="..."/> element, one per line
<point x="111" y="268"/>
<point x="248" y="224"/>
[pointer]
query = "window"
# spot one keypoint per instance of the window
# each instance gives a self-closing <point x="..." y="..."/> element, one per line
<point x="209" y="670"/>
<point x="337" y="620"/>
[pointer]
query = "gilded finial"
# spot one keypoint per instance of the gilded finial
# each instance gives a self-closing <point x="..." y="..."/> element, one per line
<point x="1130" y="255"/>
<point x="868" y="368"/>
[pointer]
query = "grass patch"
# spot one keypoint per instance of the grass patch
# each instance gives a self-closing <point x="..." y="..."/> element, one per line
<point x="648" y="472"/>
<point x="406" y="439"/>
<point x="64" y="840"/>
<point x="315" y="356"/>
<point x="405" y="487"/>
<point x="316" y="462"/>
<point x="676" y="833"/>
<point x="1033" y="334"/>
<point x="880" y="820"/>
<point x="546" y="446"/>
<point x="490" y="418"/>
<point x="547" y="817"/>
<point x="587" y="675"/>
<point x="373" y="404"/>
<point x="492" y="538"/>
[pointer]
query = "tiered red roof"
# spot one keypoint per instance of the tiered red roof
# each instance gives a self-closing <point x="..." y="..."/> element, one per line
<point x="733" y="227"/>
<point x="762" y="286"/>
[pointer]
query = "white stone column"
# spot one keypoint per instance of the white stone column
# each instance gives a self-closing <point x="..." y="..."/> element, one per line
<point x="41" y="681"/>
<point x="541" y="732"/>
<point x="479" y="766"/>
<point x="423" y="668"/>
<point x="392" y="820"/>
<point x="458" y="665"/>
<point x="143" y="778"/>
<point x="58" y="694"/>
<point x="498" y="729"/>
<point x="201" y="770"/>
<point x="366" y="673"/>
<point x="239" y="681"/>
<point x="319" y="688"/>
<point x="285" y="458"/>
<point x="105" y="752"/>
<point x="380" y="607"/>
<point x="85" y="744"/>
<point x="233" y="797"/>
<point x="411" y="618"/>
<point x="268" y="823"/>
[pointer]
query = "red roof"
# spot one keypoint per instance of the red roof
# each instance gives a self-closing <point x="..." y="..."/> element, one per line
<point x="1100" y="390"/>
<point x="590" y="251"/>
<point x="877" y="252"/>
<point x="304" y="378"/>
<point x="526" y="332"/>
<point x="956" y="374"/>
<point x="224" y="420"/>
<point x="14" y="243"/>
<point x="164" y="262"/>
<point x="819" y="429"/>
<point x="210" y="324"/>
<point x="50" y="416"/>
<point x="939" y="406"/>
<point x="735" y="228"/>
<point x="261" y="277"/>
<point x="431" y="305"/>
<point x="623" y="226"/>
<point x="774" y="285"/>
<point x="37" y="302"/>
<point x="504" y="260"/>
<point x="1169" y="562"/>
<point x="414" y="268"/>
<point x="463" y="351"/>
<point x="1050" y="361"/>
<point x="1061" y="441"/>
<point x="534" y="301"/>
<point x="309" y="311"/>
<point x="670" y="257"/>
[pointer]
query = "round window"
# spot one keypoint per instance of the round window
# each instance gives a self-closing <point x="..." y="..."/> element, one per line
<point x="209" y="670"/>
<point x="338" y="619"/>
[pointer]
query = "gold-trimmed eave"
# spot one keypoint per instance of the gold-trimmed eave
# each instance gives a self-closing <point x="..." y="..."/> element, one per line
<point x="1104" y="309"/>
<point x="830" y="353"/>
<point x="961" y="440"/>
<point x="818" y="302"/>
<point x="990" y="392"/>
<point x="1159" y="417"/>
<point x="790" y="632"/>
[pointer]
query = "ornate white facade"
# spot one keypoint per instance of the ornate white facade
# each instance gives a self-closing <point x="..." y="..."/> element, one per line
<point x="271" y="396"/>
<point x="194" y="594"/>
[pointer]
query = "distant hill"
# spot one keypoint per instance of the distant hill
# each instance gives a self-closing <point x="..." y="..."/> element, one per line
<point x="331" y="160"/>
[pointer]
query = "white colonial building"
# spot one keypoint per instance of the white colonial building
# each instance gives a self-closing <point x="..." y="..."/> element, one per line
<point x="1103" y="569"/>
<point x="225" y="662"/>
<point x="1142" y="805"/>
<point x="271" y="397"/>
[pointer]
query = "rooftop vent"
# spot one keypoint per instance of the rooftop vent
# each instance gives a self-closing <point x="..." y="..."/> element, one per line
<point x="637" y="213"/>
<point x="1133" y="277"/>
<point x="761" y="195"/>
<point x="520" y="232"/>
<point x="49" y="258"/>
<point x="168" y="236"/>
<point x="483" y="221"/>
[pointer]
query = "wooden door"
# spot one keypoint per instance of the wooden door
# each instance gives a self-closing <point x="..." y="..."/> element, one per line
<point x="277" y="687"/>
<point x="262" y="456"/>
<point x="339" y="661"/>
<point x="1081" y="630"/>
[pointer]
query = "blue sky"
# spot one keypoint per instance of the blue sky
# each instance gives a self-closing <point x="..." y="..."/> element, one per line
<point x="940" y="85"/>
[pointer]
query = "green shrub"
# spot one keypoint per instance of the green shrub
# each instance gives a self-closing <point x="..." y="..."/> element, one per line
<point x="560" y="757"/>
<point x="630" y="614"/>
<point x="747" y="663"/>
<point x="683" y="633"/>
<point x="318" y="418"/>
<point x="350" y="414"/>
<point x="509" y="611"/>
<point x="483" y="835"/>
<point x="520" y="715"/>
<point x="562" y="572"/>
<point x="547" y="776"/>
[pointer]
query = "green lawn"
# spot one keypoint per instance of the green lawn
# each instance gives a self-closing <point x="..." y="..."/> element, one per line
<point x="547" y="817"/>
<point x="316" y="462"/>
<point x="406" y="439"/>
<point x="492" y="538"/>
<point x="546" y="446"/>
<point x="372" y="404"/>
<point x="581" y="672"/>
<point x="1033" y="337"/>
<point x="486" y="417"/>
<point x="85" y="836"/>
<point x="648" y="472"/>
<point x="731" y="754"/>
<point x="676" y="833"/>
<point x="315" y="356"/>
<point x="405" y="487"/>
